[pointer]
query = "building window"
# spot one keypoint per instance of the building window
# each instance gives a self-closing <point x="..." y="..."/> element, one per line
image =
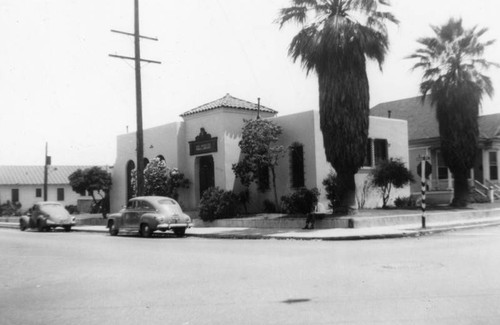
<point x="15" y="195"/>
<point x="297" y="165"/>
<point x="369" y="153"/>
<point x="60" y="194"/>
<point x="263" y="179"/>
<point x="493" y="165"/>
<point x="442" y="169"/>
<point x="380" y="150"/>
<point x="38" y="192"/>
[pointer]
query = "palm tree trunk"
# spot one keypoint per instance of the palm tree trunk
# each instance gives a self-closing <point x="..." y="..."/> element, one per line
<point x="347" y="192"/>
<point x="461" y="189"/>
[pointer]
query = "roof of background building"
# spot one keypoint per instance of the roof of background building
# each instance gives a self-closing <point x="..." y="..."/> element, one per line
<point x="421" y="117"/>
<point x="33" y="175"/>
<point x="230" y="102"/>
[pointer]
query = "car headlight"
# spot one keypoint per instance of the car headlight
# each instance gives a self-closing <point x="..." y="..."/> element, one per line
<point x="160" y="219"/>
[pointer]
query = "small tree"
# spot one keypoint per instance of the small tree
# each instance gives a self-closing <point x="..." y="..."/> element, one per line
<point x="161" y="180"/>
<point x="92" y="180"/>
<point x="389" y="173"/>
<point x="260" y="156"/>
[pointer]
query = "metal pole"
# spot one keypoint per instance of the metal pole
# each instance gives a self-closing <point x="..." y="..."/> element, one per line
<point x="45" y="174"/>
<point x="138" y="92"/>
<point x="424" y="187"/>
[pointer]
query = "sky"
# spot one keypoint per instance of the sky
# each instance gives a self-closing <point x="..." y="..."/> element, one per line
<point x="59" y="85"/>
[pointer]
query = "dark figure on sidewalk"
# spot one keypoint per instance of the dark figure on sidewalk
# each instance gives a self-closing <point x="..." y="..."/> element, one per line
<point x="310" y="221"/>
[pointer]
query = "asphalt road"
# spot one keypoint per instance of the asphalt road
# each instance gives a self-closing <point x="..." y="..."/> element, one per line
<point x="81" y="278"/>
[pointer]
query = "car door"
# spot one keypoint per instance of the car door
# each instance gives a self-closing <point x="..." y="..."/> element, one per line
<point x="143" y="207"/>
<point x="130" y="216"/>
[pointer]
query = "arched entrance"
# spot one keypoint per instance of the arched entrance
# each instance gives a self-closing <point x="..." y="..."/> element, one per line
<point x="206" y="173"/>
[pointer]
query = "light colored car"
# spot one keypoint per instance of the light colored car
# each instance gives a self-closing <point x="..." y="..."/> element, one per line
<point x="47" y="215"/>
<point x="148" y="214"/>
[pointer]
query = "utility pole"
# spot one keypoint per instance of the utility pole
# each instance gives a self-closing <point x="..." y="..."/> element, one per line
<point x="138" y="93"/>
<point x="46" y="172"/>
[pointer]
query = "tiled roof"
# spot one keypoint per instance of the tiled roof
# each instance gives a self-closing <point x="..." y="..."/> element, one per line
<point x="33" y="175"/>
<point x="230" y="102"/>
<point x="421" y="117"/>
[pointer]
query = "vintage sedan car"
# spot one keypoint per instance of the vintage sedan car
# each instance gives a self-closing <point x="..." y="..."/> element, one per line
<point x="147" y="214"/>
<point x="47" y="215"/>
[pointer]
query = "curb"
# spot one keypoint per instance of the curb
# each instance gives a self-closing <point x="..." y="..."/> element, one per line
<point x="399" y="233"/>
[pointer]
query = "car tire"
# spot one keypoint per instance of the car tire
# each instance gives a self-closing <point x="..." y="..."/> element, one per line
<point x="180" y="232"/>
<point x="22" y="225"/>
<point x="146" y="230"/>
<point x="113" y="230"/>
<point x="67" y="228"/>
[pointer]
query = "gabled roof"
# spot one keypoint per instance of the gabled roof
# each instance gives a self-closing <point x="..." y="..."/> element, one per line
<point x="489" y="126"/>
<point x="33" y="175"/>
<point x="421" y="116"/>
<point x="422" y="121"/>
<point x="229" y="102"/>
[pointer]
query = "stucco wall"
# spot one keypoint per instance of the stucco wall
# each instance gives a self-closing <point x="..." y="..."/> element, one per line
<point x="172" y="141"/>
<point x="162" y="140"/>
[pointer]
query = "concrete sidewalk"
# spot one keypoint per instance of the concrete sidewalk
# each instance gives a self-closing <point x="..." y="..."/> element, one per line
<point x="394" y="231"/>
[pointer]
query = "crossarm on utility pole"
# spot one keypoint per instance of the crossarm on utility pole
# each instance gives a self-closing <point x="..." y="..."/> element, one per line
<point x="133" y="59"/>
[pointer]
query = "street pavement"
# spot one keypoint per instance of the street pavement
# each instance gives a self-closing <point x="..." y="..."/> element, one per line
<point x="88" y="278"/>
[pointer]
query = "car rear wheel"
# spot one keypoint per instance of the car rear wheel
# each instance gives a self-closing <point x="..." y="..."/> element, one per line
<point x="180" y="232"/>
<point x="146" y="230"/>
<point x="113" y="230"/>
<point x="22" y="225"/>
<point x="67" y="228"/>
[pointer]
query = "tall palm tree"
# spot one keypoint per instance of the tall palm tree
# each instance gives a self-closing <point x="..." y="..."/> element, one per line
<point x="453" y="65"/>
<point x="335" y="39"/>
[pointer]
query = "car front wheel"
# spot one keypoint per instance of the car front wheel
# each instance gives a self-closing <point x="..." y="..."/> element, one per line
<point x="113" y="230"/>
<point x="146" y="230"/>
<point x="180" y="232"/>
<point x="67" y="228"/>
<point x="22" y="225"/>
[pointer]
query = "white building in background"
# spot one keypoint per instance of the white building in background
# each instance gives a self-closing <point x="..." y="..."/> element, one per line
<point x="24" y="184"/>
<point x="204" y="146"/>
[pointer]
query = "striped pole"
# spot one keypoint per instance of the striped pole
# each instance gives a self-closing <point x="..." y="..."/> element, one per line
<point x="424" y="183"/>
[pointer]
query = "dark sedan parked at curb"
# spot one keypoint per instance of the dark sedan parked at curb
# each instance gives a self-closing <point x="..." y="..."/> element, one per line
<point x="147" y="214"/>
<point x="47" y="215"/>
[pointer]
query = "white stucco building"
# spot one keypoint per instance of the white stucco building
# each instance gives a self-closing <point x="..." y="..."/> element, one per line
<point x="24" y="184"/>
<point x="204" y="146"/>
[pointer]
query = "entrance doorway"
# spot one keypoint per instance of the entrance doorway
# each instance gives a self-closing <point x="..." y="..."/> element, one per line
<point x="206" y="173"/>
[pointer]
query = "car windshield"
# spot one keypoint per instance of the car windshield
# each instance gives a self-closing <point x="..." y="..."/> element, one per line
<point x="170" y="206"/>
<point x="52" y="208"/>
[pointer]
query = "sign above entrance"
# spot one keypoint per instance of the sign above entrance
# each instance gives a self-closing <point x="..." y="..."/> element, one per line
<point x="203" y="143"/>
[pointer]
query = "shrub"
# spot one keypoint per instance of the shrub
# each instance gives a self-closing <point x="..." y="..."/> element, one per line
<point x="405" y="202"/>
<point x="331" y="188"/>
<point x="269" y="206"/>
<point x="216" y="203"/>
<point x="301" y="201"/>
<point x="10" y="209"/>
<point x="72" y="209"/>
<point x="390" y="173"/>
